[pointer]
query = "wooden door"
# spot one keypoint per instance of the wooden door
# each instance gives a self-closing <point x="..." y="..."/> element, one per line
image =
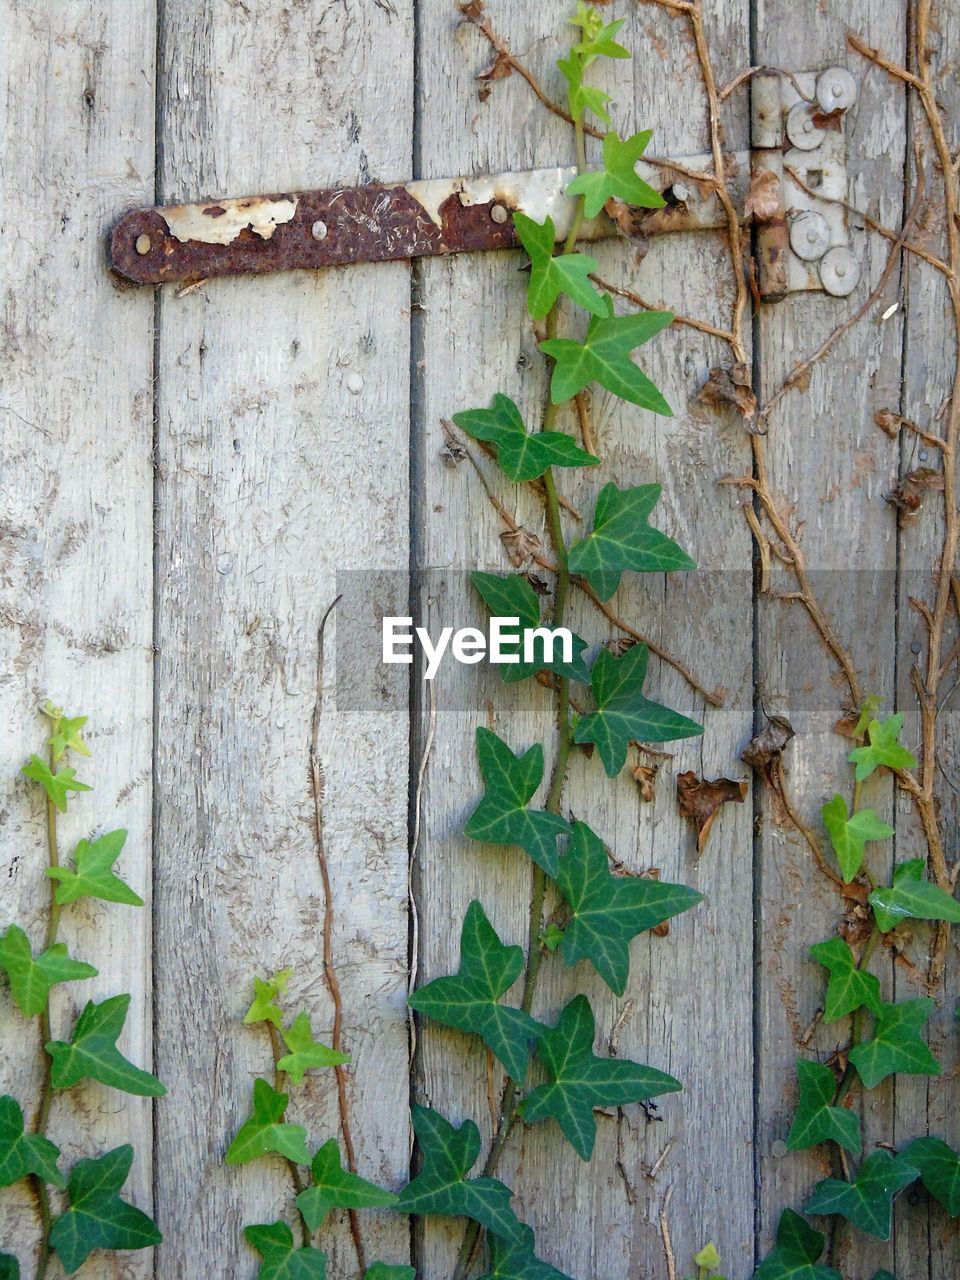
<point x="185" y="474"/>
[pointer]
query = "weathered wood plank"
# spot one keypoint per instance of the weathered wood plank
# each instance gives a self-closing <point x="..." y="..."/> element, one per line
<point x="693" y="988"/>
<point x="75" y="525"/>
<point x="282" y="453"/>
<point x="830" y="469"/>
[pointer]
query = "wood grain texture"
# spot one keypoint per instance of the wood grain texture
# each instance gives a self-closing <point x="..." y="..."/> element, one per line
<point x="282" y="456"/>
<point x="75" y="537"/>
<point x="830" y="468"/>
<point x="693" y="988"/>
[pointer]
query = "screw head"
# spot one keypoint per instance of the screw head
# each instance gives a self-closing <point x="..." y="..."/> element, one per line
<point x="839" y="272"/>
<point x="801" y="130"/>
<point x="319" y="230"/>
<point x="499" y="214"/>
<point x="836" y="89"/>
<point x="142" y="244"/>
<point x="809" y="236"/>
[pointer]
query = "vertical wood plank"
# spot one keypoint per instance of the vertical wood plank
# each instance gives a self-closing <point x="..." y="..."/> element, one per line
<point x="829" y="467"/>
<point x="928" y="1105"/>
<point x="282" y="443"/>
<point x="76" y="539"/>
<point x="693" y="988"/>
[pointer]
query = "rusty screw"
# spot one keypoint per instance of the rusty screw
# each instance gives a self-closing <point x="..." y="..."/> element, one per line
<point x="319" y="230"/>
<point x="142" y="245"/>
<point x="499" y="214"/>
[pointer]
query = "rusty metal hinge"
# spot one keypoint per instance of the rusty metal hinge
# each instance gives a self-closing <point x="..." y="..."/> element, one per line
<point x="801" y="242"/>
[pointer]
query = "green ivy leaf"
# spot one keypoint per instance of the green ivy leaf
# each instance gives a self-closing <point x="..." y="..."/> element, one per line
<point x="623" y="714"/>
<point x="517" y="1260"/>
<point x="66" y="734"/>
<point x="795" y="1256"/>
<point x="604" y="357"/>
<point x="848" y="835"/>
<point x="521" y="455"/>
<point x="305" y="1052"/>
<point x="816" y="1119"/>
<point x="9" y="1267"/>
<point x="31" y="979"/>
<point x="92" y="1053"/>
<point x="265" y="1130"/>
<point x="23" y="1153"/>
<point x="92" y="875"/>
<point x="513" y="597"/>
<point x="867" y="1202"/>
<point x="883" y="749"/>
<point x="469" y="1001"/>
<point x="598" y="38"/>
<point x="607" y="911"/>
<point x="442" y="1187"/>
<point x="56" y="785"/>
<point x="622" y="539"/>
<point x="618" y="178"/>
<point x="264" y="1007"/>
<point x="281" y="1259"/>
<point x="896" y="1044"/>
<point x="502" y="817"/>
<point x="939" y="1168"/>
<point x="389" y="1271"/>
<point x="97" y="1217"/>
<point x="849" y="987"/>
<point x="707" y="1257"/>
<point x="550" y="276"/>
<point x="582" y="97"/>
<point x="580" y="1081"/>
<point x="333" y="1187"/>
<point x="912" y="897"/>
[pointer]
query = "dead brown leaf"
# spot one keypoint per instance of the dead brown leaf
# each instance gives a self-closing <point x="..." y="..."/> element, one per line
<point x="763" y="754"/>
<point x="914" y="486"/>
<point x="888" y="421"/>
<point x="645" y="776"/>
<point x="700" y="800"/>
<point x="729" y="387"/>
<point x="763" y="198"/>
<point x="631" y="222"/>
<point x="521" y="545"/>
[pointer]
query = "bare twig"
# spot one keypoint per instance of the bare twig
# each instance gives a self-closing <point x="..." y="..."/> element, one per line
<point x="635" y="298"/>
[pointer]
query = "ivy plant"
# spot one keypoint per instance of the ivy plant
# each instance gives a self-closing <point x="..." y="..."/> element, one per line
<point x="80" y="1211"/>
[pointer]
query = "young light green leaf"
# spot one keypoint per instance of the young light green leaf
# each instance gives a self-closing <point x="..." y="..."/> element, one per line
<point x="912" y="897"/>
<point x="707" y="1257"/>
<point x="816" y="1119"/>
<point x="623" y="714"/>
<point x="56" y="785"/>
<point x="502" y="817"/>
<point x="598" y="38"/>
<point x="305" y="1052"/>
<point x="264" y="1007"/>
<point x="442" y="1186"/>
<point x="939" y="1168"/>
<point x="92" y="875"/>
<point x="97" y="1218"/>
<point x="607" y="910"/>
<point x="389" y="1271"/>
<point x="883" y="748"/>
<point x="848" y="835"/>
<point x="517" y="1260"/>
<point x="795" y="1256"/>
<point x="618" y="178"/>
<point x="868" y="712"/>
<point x="92" y="1053"/>
<point x="265" y="1130"/>
<point x="65" y="735"/>
<point x="521" y="455"/>
<point x="849" y="987"/>
<point x="9" y="1267"/>
<point x="31" y="978"/>
<point x="24" y="1153"/>
<point x="867" y="1202"/>
<point x="513" y="597"/>
<point x="550" y="276"/>
<point x="333" y="1187"/>
<point x="604" y="357"/>
<point x="897" y="1044"/>
<point x="580" y="1081"/>
<point x="470" y="1000"/>
<point x="582" y="97"/>
<point x="281" y="1259"/>
<point x="622" y="539"/>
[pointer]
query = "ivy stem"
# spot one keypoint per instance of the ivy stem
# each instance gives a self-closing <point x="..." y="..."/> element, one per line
<point x="279" y="1080"/>
<point x="46" y="1035"/>
<point x="856" y="1031"/>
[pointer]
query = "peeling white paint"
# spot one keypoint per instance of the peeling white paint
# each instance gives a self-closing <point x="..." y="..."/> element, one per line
<point x="221" y="221"/>
<point x="537" y="192"/>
